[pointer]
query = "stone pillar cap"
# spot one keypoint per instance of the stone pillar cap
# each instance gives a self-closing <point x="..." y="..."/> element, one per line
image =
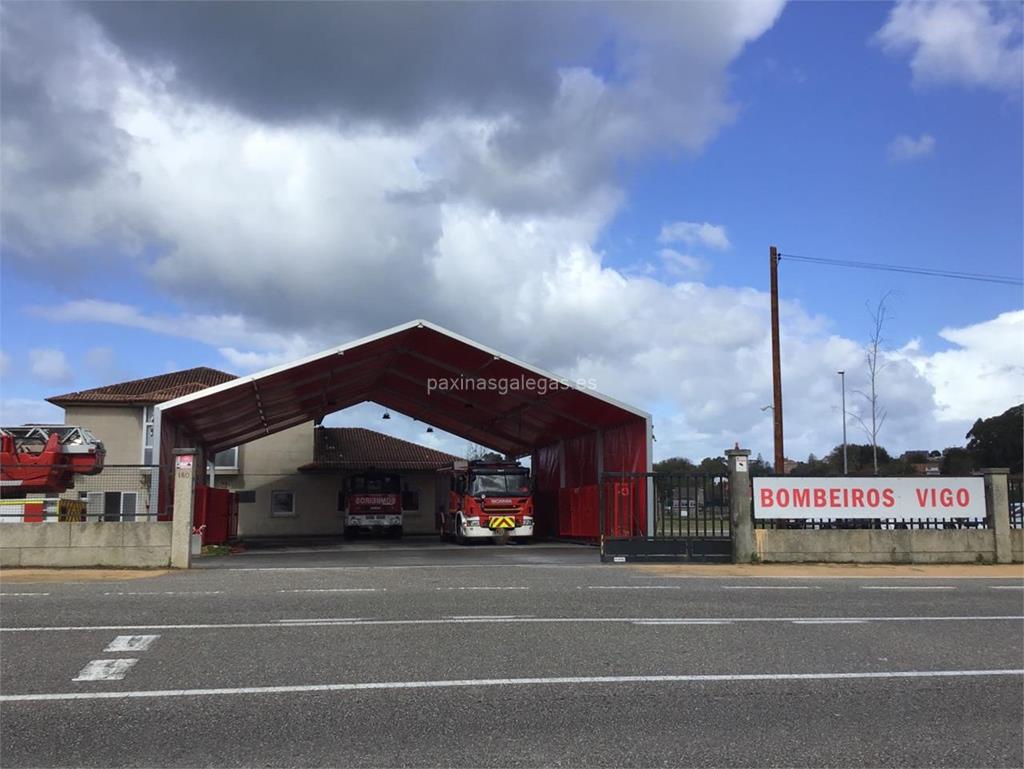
<point x="737" y="452"/>
<point x="994" y="470"/>
<point x="185" y="451"/>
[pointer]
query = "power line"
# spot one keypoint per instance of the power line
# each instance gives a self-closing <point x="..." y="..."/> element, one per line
<point x="976" y="276"/>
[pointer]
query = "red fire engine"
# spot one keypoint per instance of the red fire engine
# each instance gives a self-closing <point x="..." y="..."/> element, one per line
<point x="490" y="501"/>
<point x="38" y="459"/>
<point x="373" y="503"/>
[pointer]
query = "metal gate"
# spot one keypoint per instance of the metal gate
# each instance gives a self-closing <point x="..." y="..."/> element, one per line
<point x="688" y="519"/>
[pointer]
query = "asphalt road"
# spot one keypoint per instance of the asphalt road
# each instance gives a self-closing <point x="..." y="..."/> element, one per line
<point x="532" y="656"/>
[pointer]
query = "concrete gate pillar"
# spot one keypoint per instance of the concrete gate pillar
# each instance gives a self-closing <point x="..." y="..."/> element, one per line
<point x="187" y="463"/>
<point x="997" y="510"/>
<point x="740" y="515"/>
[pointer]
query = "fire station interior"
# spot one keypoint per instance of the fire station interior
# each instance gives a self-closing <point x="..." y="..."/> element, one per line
<point x="566" y="436"/>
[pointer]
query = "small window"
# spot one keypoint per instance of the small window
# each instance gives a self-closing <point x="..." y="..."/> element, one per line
<point x="282" y="504"/>
<point x="226" y="460"/>
<point x="410" y="499"/>
<point x="246" y="496"/>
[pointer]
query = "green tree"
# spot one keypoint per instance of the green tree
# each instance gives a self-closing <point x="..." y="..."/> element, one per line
<point x="997" y="441"/>
<point x="957" y="460"/>
<point x="675" y="466"/>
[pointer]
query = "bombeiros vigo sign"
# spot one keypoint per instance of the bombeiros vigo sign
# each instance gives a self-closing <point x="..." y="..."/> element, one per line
<point x="914" y="497"/>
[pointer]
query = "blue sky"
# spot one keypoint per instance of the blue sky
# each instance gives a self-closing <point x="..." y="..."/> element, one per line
<point x="177" y="220"/>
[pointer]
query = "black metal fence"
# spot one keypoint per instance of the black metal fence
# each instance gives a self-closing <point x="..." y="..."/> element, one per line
<point x="659" y="516"/>
<point x="118" y="493"/>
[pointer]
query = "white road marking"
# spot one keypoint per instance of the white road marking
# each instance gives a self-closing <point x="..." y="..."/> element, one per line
<point x="489" y="616"/>
<point x="319" y="620"/>
<point x="993" y="587"/>
<point x="105" y="670"/>
<point x="344" y="622"/>
<point x="167" y="592"/>
<point x="771" y="587"/>
<point x="20" y="595"/>
<point x="682" y="622"/>
<point x="131" y="643"/>
<point x="907" y="587"/>
<point x="334" y="590"/>
<point x="829" y="621"/>
<point x="479" y="682"/>
<point x="480" y="587"/>
<point x="633" y="587"/>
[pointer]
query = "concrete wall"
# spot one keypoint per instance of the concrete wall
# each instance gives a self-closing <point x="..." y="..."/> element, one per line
<point x="1017" y="545"/>
<point x="86" y="544"/>
<point x="882" y="546"/>
<point x="119" y="427"/>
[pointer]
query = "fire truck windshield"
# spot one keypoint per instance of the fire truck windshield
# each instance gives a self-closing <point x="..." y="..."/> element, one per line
<point x="500" y="484"/>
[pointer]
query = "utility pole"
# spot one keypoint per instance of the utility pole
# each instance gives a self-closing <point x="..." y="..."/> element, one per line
<point x="780" y="454"/>
<point x="842" y="379"/>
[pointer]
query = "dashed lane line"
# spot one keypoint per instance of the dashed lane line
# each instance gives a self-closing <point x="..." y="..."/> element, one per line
<point x="20" y="595"/>
<point x="334" y="590"/>
<point x="165" y="592"/>
<point x="771" y="587"/>
<point x="509" y="682"/>
<point x="105" y="670"/>
<point x="908" y="587"/>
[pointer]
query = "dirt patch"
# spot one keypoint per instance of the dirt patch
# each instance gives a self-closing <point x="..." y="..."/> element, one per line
<point x="837" y="570"/>
<point x="10" y="576"/>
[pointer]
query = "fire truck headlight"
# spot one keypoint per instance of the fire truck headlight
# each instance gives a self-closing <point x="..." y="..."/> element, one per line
<point x="471" y="522"/>
<point x="527" y="520"/>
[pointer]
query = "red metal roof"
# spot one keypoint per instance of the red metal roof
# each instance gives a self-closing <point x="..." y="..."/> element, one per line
<point x="356" y="448"/>
<point x="148" y="391"/>
<point x="401" y="369"/>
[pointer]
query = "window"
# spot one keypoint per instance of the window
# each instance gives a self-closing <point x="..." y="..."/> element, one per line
<point x="111" y="505"/>
<point x="245" y="496"/>
<point x="410" y="499"/>
<point x="282" y="504"/>
<point x="226" y="460"/>
<point x="341" y="501"/>
<point x="147" y="435"/>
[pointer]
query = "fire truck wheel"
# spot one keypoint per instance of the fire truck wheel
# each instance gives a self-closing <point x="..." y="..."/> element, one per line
<point x="459" y="539"/>
<point x="350" y="532"/>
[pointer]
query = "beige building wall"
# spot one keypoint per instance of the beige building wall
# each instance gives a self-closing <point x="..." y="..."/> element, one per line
<point x="271" y="464"/>
<point x="118" y="427"/>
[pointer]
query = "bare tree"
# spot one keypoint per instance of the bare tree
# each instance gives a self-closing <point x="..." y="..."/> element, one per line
<point x="874" y="356"/>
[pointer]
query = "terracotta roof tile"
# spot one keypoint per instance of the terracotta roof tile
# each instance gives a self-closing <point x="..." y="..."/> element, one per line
<point x="154" y="389"/>
<point x="358" y="448"/>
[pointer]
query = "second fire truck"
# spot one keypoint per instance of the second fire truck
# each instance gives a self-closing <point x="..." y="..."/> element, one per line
<point x="487" y="501"/>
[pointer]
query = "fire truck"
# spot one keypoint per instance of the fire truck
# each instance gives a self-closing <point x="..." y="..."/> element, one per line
<point x="41" y="459"/>
<point x="373" y="503"/>
<point x="487" y="501"/>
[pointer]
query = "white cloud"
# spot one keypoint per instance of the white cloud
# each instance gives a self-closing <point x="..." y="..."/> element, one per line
<point x="983" y="374"/>
<point x="225" y="332"/>
<point x="23" y="411"/>
<point x="695" y="233"/>
<point x="966" y="43"/>
<point x="49" y="365"/>
<point x="682" y="264"/>
<point x="905" y="147"/>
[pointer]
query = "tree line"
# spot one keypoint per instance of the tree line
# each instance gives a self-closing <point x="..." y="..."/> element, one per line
<point x="994" y="442"/>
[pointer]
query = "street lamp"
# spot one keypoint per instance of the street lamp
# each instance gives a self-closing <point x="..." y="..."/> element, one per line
<point x="842" y="379"/>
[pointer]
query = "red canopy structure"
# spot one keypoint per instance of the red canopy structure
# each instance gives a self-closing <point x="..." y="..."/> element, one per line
<point x="438" y="377"/>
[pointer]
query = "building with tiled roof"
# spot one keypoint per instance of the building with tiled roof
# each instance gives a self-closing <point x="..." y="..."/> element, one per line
<point x="356" y="448"/>
<point x="148" y="391"/>
<point x="291" y="483"/>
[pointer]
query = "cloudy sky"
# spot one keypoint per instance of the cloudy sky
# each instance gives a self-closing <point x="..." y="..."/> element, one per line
<point x="591" y="188"/>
